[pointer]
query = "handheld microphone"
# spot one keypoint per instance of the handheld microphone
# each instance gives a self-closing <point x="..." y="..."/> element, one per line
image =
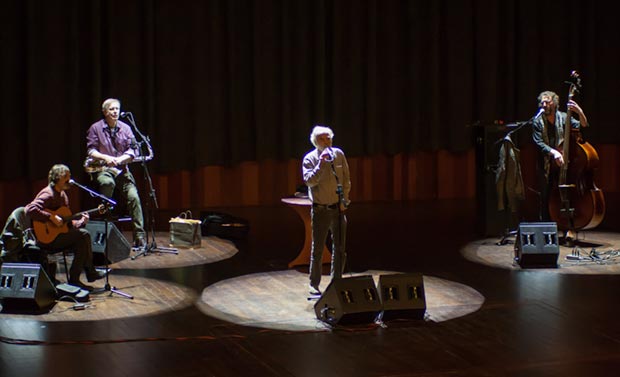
<point x="332" y="156"/>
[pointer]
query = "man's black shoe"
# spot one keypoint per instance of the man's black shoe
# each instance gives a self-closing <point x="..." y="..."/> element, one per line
<point x="570" y="237"/>
<point x="95" y="275"/>
<point x="569" y="242"/>
<point x="314" y="291"/>
<point x="139" y="242"/>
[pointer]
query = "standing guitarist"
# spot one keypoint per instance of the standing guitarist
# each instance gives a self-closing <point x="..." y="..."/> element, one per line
<point x="43" y="208"/>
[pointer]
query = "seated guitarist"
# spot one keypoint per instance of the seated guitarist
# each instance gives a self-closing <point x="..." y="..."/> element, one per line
<point x="77" y="239"/>
<point x="111" y="141"/>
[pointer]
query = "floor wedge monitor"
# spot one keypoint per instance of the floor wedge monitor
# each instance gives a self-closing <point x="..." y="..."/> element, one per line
<point x="347" y="301"/>
<point x="118" y="246"/>
<point x="402" y="296"/>
<point x="25" y="287"/>
<point x="537" y="245"/>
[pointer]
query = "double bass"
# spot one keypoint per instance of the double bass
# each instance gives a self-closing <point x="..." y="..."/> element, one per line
<point x="576" y="203"/>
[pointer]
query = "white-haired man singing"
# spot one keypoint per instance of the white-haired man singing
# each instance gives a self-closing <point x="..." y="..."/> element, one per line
<point x="326" y="173"/>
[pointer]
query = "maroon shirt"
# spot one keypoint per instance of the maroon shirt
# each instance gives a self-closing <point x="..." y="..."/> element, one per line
<point x="49" y="199"/>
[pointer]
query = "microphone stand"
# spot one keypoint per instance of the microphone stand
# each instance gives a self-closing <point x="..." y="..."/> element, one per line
<point x="109" y="202"/>
<point x="109" y="205"/>
<point x="152" y="202"/>
<point x="519" y="125"/>
<point x="341" y="204"/>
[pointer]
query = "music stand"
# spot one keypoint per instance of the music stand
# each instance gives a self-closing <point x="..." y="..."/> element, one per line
<point x="109" y="205"/>
<point x="151" y="204"/>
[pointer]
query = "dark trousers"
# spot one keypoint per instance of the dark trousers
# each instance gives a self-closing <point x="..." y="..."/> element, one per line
<point x="326" y="220"/>
<point x="107" y="181"/>
<point x="77" y="241"/>
<point x="548" y="184"/>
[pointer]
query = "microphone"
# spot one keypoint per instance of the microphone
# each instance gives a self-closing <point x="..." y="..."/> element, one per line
<point x="125" y="114"/>
<point x="332" y="156"/>
<point x="539" y="113"/>
<point x="74" y="183"/>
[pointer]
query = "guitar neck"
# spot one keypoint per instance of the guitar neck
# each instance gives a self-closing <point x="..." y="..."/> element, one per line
<point x="567" y="129"/>
<point x="72" y="217"/>
<point x="77" y="215"/>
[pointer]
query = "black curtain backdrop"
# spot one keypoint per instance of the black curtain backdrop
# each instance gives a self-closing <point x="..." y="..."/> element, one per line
<point x="217" y="82"/>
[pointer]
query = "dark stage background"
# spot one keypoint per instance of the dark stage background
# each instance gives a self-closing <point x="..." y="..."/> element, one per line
<point x="228" y="90"/>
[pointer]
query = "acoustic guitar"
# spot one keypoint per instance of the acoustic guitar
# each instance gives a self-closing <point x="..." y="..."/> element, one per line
<point x="95" y="165"/>
<point x="46" y="231"/>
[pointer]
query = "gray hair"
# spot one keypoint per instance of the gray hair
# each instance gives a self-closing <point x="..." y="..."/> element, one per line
<point x="106" y="104"/>
<point x="320" y="130"/>
<point x="548" y="93"/>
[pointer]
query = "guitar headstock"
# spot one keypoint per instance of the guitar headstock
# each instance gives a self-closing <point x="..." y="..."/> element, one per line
<point x="102" y="208"/>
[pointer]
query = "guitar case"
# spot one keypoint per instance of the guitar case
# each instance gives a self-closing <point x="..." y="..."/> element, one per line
<point x="224" y="226"/>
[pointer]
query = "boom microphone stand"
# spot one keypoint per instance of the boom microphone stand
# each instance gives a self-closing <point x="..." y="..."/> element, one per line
<point x="341" y="216"/>
<point x="151" y="204"/>
<point x="109" y="205"/>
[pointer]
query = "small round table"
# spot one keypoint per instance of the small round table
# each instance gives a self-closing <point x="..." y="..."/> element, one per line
<point x="302" y="207"/>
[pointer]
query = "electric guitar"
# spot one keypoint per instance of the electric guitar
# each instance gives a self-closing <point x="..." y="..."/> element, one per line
<point x="46" y="231"/>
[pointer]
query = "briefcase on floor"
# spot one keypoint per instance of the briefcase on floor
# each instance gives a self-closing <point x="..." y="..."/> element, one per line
<point x="185" y="231"/>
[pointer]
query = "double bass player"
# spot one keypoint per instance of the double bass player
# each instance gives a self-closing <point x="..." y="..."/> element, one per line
<point x="548" y="135"/>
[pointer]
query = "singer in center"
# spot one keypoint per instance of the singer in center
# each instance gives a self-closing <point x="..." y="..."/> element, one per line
<point x="112" y="142"/>
<point x="326" y="173"/>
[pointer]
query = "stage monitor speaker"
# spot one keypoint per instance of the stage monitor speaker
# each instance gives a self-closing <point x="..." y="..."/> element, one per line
<point x="537" y="245"/>
<point x="25" y="287"/>
<point x="402" y="296"/>
<point x="349" y="301"/>
<point x="118" y="246"/>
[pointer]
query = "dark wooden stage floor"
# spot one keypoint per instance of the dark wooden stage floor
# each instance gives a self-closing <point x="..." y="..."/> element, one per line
<point x="531" y="322"/>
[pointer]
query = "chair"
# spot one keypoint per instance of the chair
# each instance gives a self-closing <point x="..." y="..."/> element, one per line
<point x="19" y="244"/>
